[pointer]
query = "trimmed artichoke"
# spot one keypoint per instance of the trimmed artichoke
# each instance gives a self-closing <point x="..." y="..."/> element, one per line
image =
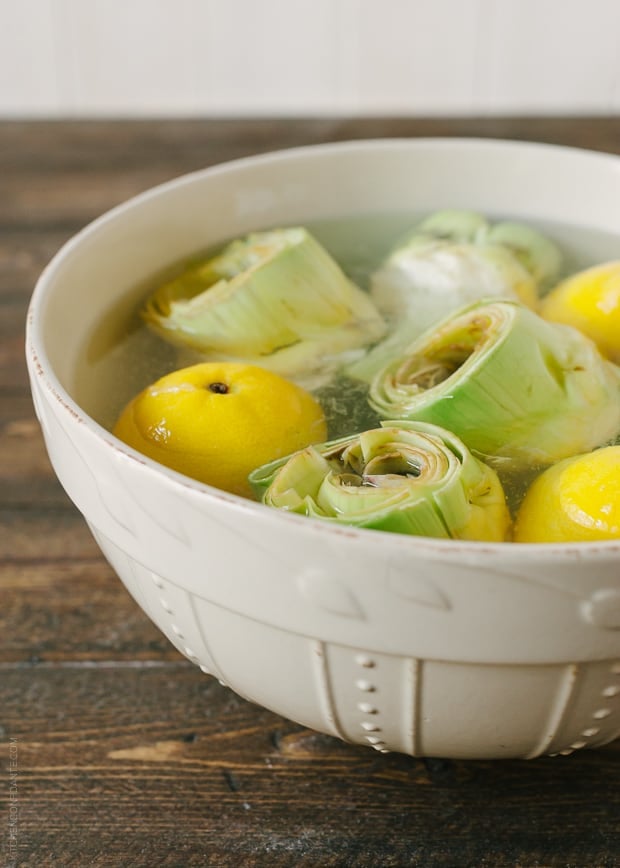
<point x="508" y="383"/>
<point x="405" y="477"/>
<point x="276" y="299"/>
<point x="454" y="258"/>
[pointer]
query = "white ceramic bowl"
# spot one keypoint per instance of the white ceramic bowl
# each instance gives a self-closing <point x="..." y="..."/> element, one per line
<point x="423" y="646"/>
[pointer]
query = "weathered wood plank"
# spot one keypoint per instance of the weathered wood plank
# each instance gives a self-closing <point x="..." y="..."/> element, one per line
<point x="163" y="766"/>
<point x="25" y="471"/>
<point x="71" y="607"/>
<point x="23" y="255"/>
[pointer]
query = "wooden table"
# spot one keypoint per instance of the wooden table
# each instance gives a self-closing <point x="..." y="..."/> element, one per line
<point x="116" y="751"/>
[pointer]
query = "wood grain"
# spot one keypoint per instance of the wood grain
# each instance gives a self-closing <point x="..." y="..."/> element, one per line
<point x="127" y="755"/>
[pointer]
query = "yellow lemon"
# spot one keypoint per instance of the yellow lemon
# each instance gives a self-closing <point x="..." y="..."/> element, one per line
<point x="576" y="500"/>
<point x="590" y="301"/>
<point x="216" y="422"/>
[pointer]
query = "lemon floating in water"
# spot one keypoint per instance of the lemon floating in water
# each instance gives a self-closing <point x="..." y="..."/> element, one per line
<point x="576" y="500"/>
<point x="590" y="301"/>
<point x="216" y="422"/>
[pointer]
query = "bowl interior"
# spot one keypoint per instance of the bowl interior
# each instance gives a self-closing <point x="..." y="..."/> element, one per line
<point x="102" y="270"/>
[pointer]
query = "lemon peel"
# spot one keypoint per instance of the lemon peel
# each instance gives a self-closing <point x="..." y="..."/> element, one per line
<point x="590" y="302"/>
<point x="217" y="421"/>
<point x="576" y="500"/>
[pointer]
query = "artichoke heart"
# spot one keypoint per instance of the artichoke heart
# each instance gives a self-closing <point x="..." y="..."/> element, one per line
<point x="511" y="385"/>
<point x="405" y="477"/>
<point x="451" y="259"/>
<point x="275" y="298"/>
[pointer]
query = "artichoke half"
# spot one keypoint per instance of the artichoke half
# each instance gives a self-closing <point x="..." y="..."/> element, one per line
<point x="509" y="384"/>
<point x="276" y="299"/>
<point x="405" y="477"/>
<point x="451" y="259"/>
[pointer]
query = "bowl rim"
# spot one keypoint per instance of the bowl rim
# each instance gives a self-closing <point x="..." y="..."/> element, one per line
<point x="42" y="371"/>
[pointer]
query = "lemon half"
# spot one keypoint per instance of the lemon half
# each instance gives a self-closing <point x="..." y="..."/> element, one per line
<point x="576" y="500"/>
<point x="590" y="301"/>
<point x="216" y="422"/>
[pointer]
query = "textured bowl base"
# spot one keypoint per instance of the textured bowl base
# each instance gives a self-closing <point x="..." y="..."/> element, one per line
<point x="388" y="702"/>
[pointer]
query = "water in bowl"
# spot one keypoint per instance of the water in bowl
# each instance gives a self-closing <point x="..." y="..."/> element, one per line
<point x="124" y="356"/>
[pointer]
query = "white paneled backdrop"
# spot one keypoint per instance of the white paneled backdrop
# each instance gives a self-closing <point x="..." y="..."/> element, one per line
<point x="62" y="58"/>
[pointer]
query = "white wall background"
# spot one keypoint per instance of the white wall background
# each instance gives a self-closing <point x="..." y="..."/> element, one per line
<point x="62" y="58"/>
